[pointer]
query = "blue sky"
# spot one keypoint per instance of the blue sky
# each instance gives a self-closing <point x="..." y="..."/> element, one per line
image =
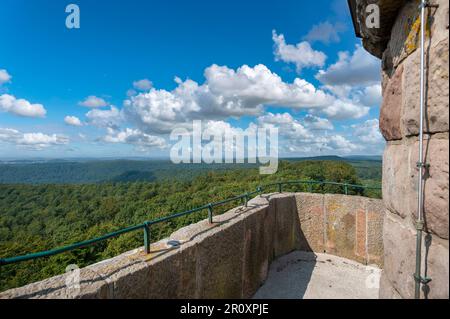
<point x="108" y="88"/>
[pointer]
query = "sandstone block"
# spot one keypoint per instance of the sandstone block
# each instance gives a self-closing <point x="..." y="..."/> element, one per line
<point x="391" y="107"/>
<point x="399" y="260"/>
<point x="375" y="217"/>
<point x="341" y="225"/>
<point x="310" y="209"/>
<point x="258" y="250"/>
<point x="220" y="256"/>
<point x="400" y="181"/>
<point x="387" y="291"/>
<point x="287" y="230"/>
<point x="437" y="102"/>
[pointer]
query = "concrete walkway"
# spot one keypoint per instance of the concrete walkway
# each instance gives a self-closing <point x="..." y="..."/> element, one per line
<point x="305" y="275"/>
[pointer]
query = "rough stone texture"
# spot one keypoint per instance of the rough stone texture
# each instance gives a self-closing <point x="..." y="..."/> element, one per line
<point x="404" y="36"/>
<point x="375" y="40"/>
<point x="258" y="250"/>
<point x="437" y="88"/>
<point x="400" y="181"/>
<point x="374" y="242"/>
<point x="398" y="184"/>
<point x="341" y="226"/>
<point x="311" y="215"/>
<point x="399" y="264"/>
<point x="391" y="107"/>
<point x="221" y="256"/>
<point x="436" y="196"/>
<point x="228" y="259"/>
<point x="388" y="292"/>
<point x="398" y="41"/>
<point x="287" y="229"/>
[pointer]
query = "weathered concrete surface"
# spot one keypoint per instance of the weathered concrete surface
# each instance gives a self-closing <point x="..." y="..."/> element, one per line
<point x="307" y="275"/>
<point x="228" y="259"/>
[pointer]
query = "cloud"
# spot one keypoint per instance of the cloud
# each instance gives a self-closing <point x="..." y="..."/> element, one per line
<point x="143" y="85"/>
<point x="287" y="125"/>
<point x="135" y="137"/>
<point x="372" y="95"/>
<point x="73" y="120"/>
<point x="105" y="118"/>
<point x="325" y="32"/>
<point x="34" y="141"/>
<point x="93" y="102"/>
<point x="21" y="107"/>
<point x="340" y="144"/>
<point x="301" y="54"/>
<point x="4" y="76"/>
<point x="317" y="123"/>
<point x="368" y="132"/>
<point x="359" y="68"/>
<point x="225" y="93"/>
<point x="341" y="110"/>
<point x="306" y="136"/>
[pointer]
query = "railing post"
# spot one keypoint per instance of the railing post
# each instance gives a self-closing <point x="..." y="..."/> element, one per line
<point x="280" y="188"/>
<point x="246" y="199"/>
<point x="146" y="238"/>
<point x="346" y="189"/>
<point x="259" y="189"/>
<point x="210" y="213"/>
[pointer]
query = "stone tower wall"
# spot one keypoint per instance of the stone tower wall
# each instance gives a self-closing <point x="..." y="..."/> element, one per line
<point x="399" y="124"/>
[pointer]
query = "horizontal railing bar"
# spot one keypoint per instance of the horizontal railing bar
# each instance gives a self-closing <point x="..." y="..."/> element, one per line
<point x="166" y="218"/>
<point x="226" y="201"/>
<point x="82" y="244"/>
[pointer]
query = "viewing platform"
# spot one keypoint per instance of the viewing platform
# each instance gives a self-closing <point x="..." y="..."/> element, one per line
<point x="240" y="253"/>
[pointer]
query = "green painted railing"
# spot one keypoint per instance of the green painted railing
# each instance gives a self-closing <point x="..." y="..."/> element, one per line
<point x="147" y="225"/>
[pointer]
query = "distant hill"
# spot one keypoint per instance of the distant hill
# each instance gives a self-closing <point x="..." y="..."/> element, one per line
<point x="365" y="157"/>
<point x="98" y="171"/>
<point x="88" y="171"/>
<point x="338" y="158"/>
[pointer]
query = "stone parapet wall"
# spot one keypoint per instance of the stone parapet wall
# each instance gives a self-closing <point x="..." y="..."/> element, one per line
<point x="399" y="124"/>
<point x="231" y="257"/>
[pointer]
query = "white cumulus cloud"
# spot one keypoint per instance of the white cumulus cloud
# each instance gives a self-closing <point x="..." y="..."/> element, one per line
<point x="301" y="54"/>
<point x="325" y="32"/>
<point x="225" y="93"/>
<point x="317" y="123"/>
<point x="93" y="102"/>
<point x="341" y="110"/>
<point x="110" y="118"/>
<point x="4" y="76"/>
<point x="21" y="107"/>
<point x="359" y="68"/>
<point x="135" y="137"/>
<point x="72" y="120"/>
<point x="368" y="132"/>
<point x="143" y="85"/>
<point x="34" y="141"/>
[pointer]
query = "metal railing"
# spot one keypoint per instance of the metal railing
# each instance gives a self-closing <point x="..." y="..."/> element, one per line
<point x="148" y="224"/>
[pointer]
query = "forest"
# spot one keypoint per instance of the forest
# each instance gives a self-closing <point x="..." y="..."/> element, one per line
<point x="36" y="217"/>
